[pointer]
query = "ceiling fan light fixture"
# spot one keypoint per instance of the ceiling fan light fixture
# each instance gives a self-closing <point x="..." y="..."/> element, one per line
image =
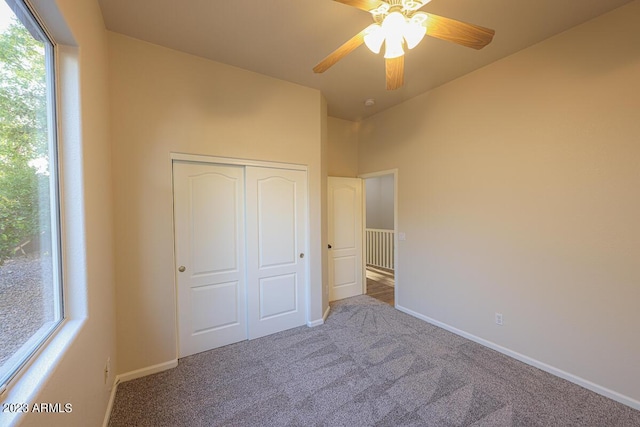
<point x="374" y="37"/>
<point x="393" y="47"/>
<point x="413" y="34"/>
<point x="415" y="29"/>
<point x="394" y="26"/>
<point x="394" y="23"/>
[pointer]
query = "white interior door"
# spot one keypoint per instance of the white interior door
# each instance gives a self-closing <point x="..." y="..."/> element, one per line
<point x="276" y="246"/>
<point x="345" y="237"/>
<point x="210" y="255"/>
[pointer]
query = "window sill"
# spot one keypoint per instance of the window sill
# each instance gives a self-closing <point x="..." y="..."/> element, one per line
<point x="26" y="386"/>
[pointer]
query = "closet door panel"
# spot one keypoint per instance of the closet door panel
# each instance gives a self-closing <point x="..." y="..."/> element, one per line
<point x="276" y="245"/>
<point x="210" y="255"/>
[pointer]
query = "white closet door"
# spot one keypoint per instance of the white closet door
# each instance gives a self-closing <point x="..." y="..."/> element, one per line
<point x="345" y="237"/>
<point x="276" y="203"/>
<point x="210" y="255"/>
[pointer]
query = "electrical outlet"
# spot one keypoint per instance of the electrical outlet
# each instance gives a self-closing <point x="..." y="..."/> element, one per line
<point x="499" y="319"/>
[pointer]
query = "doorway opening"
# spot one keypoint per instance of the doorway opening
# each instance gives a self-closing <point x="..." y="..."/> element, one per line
<point x="380" y="236"/>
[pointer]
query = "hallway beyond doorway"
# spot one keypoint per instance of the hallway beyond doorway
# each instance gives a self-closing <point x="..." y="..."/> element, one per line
<point x="380" y="285"/>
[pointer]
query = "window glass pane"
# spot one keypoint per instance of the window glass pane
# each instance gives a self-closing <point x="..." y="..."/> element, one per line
<point x="30" y="292"/>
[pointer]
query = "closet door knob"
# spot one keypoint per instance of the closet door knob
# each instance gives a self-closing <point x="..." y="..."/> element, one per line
<point x="301" y="255"/>
<point x="181" y="269"/>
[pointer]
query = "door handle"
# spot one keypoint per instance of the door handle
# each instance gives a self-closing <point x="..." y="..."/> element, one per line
<point x="301" y="255"/>
<point x="329" y="246"/>
<point x="181" y="269"/>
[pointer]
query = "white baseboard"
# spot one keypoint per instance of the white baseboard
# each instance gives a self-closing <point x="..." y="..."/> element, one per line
<point x="143" y="372"/>
<point x="313" y="323"/>
<point x="128" y="376"/>
<point x="625" y="400"/>
<point x="112" y="398"/>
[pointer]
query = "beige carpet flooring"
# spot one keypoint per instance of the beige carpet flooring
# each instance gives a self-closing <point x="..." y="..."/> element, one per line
<point x="368" y="365"/>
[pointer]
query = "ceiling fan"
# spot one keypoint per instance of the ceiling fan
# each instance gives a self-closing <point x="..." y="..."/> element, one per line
<point x="399" y="23"/>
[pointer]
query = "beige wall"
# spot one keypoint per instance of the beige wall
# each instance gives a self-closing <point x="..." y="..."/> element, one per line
<point x="78" y="376"/>
<point x="164" y="101"/>
<point x="342" y="147"/>
<point x="519" y="194"/>
<point x="379" y="202"/>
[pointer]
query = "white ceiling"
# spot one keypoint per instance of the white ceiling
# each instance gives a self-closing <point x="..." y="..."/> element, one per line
<point x="286" y="38"/>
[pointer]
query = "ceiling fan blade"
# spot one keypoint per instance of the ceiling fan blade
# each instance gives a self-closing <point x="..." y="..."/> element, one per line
<point x="395" y="72"/>
<point x="468" y="35"/>
<point x="362" y="4"/>
<point x="340" y="52"/>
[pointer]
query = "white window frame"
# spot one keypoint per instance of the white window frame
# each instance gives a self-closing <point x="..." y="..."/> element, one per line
<point x="24" y="358"/>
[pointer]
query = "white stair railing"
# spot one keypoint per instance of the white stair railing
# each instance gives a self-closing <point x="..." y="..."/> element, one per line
<point x="380" y="248"/>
